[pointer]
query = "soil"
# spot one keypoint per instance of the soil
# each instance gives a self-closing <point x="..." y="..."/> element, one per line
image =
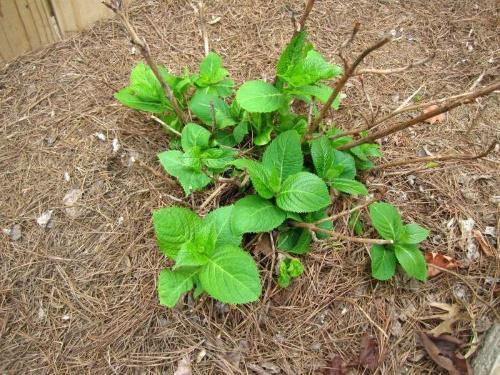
<point x="79" y="295"/>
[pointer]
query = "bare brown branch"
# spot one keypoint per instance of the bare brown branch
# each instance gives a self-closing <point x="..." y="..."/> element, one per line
<point x="340" y="236"/>
<point x="343" y="80"/>
<point x="395" y="70"/>
<point x="463" y="99"/>
<point x="305" y="15"/>
<point x="346" y="212"/>
<point x="428" y="159"/>
<point x="117" y="8"/>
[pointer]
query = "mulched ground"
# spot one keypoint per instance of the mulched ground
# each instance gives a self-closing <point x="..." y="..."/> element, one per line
<point x="79" y="296"/>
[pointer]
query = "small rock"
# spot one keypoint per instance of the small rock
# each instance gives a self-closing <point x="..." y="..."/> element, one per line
<point x="50" y="140"/>
<point x="270" y="367"/>
<point x="100" y="136"/>
<point x="468" y="242"/>
<point x="316" y="346"/>
<point x="14" y="232"/>
<point x="70" y="200"/>
<point x="65" y="317"/>
<point x="183" y="367"/>
<point x="116" y="145"/>
<point x="45" y="219"/>
<point x="67" y="178"/>
<point x="487" y="360"/>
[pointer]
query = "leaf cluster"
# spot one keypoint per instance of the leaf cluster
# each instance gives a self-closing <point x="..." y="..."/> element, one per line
<point x="294" y="174"/>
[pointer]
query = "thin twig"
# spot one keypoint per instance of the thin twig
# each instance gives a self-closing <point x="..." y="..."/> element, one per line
<point x="166" y="126"/>
<point x="340" y="236"/>
<point x="200" y="10"/>
<point x="427" y="159"/>
<point x="464" y="99"/>
<point x="117" y="7"/>
<point x="395" y="70"/>
<point x="343" y="80"/>
<point x="346" y="212"/>
<point x="212" y="196"/>
<point x="307" y="11"/>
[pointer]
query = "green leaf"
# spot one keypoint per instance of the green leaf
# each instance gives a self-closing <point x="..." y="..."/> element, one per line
<point x="173" y="284"/>
<point x="217" y="159"/>
<point x="323" y="155"/>
<point x="310" y="70"/>
<point x="386" y="220"/>
<point x="356" y="224"/>
<point x="223" y="88"/>
<point x="231" y="276"/>
<point x="174" y="226"/>
<point x="293" y="52"/>
<point x="303" y="192"/>
<point x="224" y="138"/>
<point x="349" y="186"/>
<point x="259" y="175"/>
<point x="130" y="98"/>
<point x="294" y="240"/>
<point x="295" y="268"/>
<point x="204" y="106"/>
<point x="413" y="234"/>
<point x="347" y="162"/>
<point x="259" y="96"/>
<point x="211" y="70"/>
<point x="190" y="255"/>
<point x="412" y="260"/>
<point x="284" y="279"/>
<point x="240" y="131"/>
<point x="254" y="214"/>
<point x="263" y="136"/>
<point x="284" y="154"/>
<point x="174" y="163"/>
<point x="194" y="135"/>
<point x="288" y="270"/>
<point x="383" y="262"/>
<point x="319" y="91"/>
<point x="221" y="219"/>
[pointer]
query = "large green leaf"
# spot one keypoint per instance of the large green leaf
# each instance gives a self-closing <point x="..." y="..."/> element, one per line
<point x="310" y="70"/>
<point x="190" y="255"/>
<point x="349" y="186"/>
<point x="231" y="276"/>
<point x="211" y="70"/>
<point x="194" y="135"/>
<point x="254" y="214"/>
<point x="303" y="192"/>
<point x="129" y="97"/>
<point x="293" y="52"/>
<point x="205" y="106"/>
<point x="413" y="234"/>
<point x="221" y="219"/>
<point x="412" y="260"/>
<point x="259" y="175"/>
<point x="323" y="155"/>
<point x="260" y="96"/>
<point x="284" y="155"/>
<point x="223" y="88"/>
<point x="173" y="227"/>
<point x="386" y="220"/>
<point x="174" y="162"/>
<point x="173" y="284"/>
<point x="383" y="262"/>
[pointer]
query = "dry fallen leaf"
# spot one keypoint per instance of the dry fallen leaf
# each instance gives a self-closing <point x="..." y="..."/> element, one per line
<point x="264" y="245"/>
<point x="335" y="367"/>
<point x="453" y="314"/>
<point x="369" y="355"/>
<point x="483" y="243"/>
<point x="440" y="260"/>
<point x="435" y="119"/>
<point x="443" y="351"/>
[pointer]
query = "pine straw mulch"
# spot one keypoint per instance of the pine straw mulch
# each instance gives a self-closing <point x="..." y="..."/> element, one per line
<point x="80" y="297"/>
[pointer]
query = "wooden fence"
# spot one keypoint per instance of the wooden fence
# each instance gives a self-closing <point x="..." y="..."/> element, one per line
<point x="26" y="25"/>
